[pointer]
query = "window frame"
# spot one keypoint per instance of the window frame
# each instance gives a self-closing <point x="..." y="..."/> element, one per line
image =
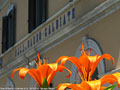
<point x="35" y="17"/>
<point x="9" y="28"/>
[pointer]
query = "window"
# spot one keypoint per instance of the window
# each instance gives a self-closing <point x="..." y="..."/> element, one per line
<point x="8" y="29"/>
<point x="37" y="13"/>
<point x="0" y="63"/>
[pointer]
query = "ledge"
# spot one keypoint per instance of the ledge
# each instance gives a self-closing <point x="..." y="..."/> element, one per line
<point x="110" y="72"/>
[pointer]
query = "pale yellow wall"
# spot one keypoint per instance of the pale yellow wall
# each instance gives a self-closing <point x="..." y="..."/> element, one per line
<point x="22" y="19"/>
<point x="85" y="6"/>
<point x="55" y="5"/>
<point x="1" y="2"/>
<point x="3" y="81"/>
<point x="8" y="58"/>
<point x="105" y="32"/>
<point x="18" y="82"/>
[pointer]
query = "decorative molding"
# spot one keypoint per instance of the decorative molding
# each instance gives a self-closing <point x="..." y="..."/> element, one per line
<point x="10" y="84"/>
<point x="5" y="2"/>
<point x="88" y="43"/>
<point x="33" y="84"/>
<point x="11" y="7"/>
<point x="76" y="26"/>
<point x="110" y="72"/>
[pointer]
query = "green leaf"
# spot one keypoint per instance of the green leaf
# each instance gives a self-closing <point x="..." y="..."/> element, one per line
<point x="45" y="83"/>
<point x="111" y="87"/>
<point x="73" y="81"/>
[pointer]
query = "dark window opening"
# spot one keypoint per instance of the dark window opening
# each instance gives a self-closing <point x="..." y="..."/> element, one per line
<point x="95" y="75"/>
<point x="8" y="30"/>
<point x="37" y="13"/>
<point x="0" y="63"/>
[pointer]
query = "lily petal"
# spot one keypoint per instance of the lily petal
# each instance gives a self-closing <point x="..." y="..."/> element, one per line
<point x="63" y="59"/>
<point x="111" y="79"/>
<point x="54" y="70"/>
<point x="23" y="72"/>
<point x="74" y="60"/>
<point x="82" y="86"/>
<point x="31" y="72"/>
<point x="94" y="85"/>
<point x="63" y="86"/>
<point x="16" y="71"/>
<point x="42" y="71"/>
<point x="76" y="87"/>
<point x="94" y="64"/>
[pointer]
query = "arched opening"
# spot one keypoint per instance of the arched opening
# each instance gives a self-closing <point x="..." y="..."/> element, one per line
<point x="10" y="84"/>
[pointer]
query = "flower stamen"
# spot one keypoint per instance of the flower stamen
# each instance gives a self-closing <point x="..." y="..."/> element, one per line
<point x="35" y="62"/>
<point x="83" y="51"/>
<point x="39" y="59"/>
<point x="89" y="51"/>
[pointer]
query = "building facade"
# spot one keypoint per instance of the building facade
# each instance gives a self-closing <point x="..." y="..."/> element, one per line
<point x="56" y="28"/>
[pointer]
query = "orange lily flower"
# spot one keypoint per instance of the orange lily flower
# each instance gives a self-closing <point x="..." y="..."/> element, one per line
<point x="42" y="71"/>
<point x="86" y="64"/>
<point x="93" y="85"/>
